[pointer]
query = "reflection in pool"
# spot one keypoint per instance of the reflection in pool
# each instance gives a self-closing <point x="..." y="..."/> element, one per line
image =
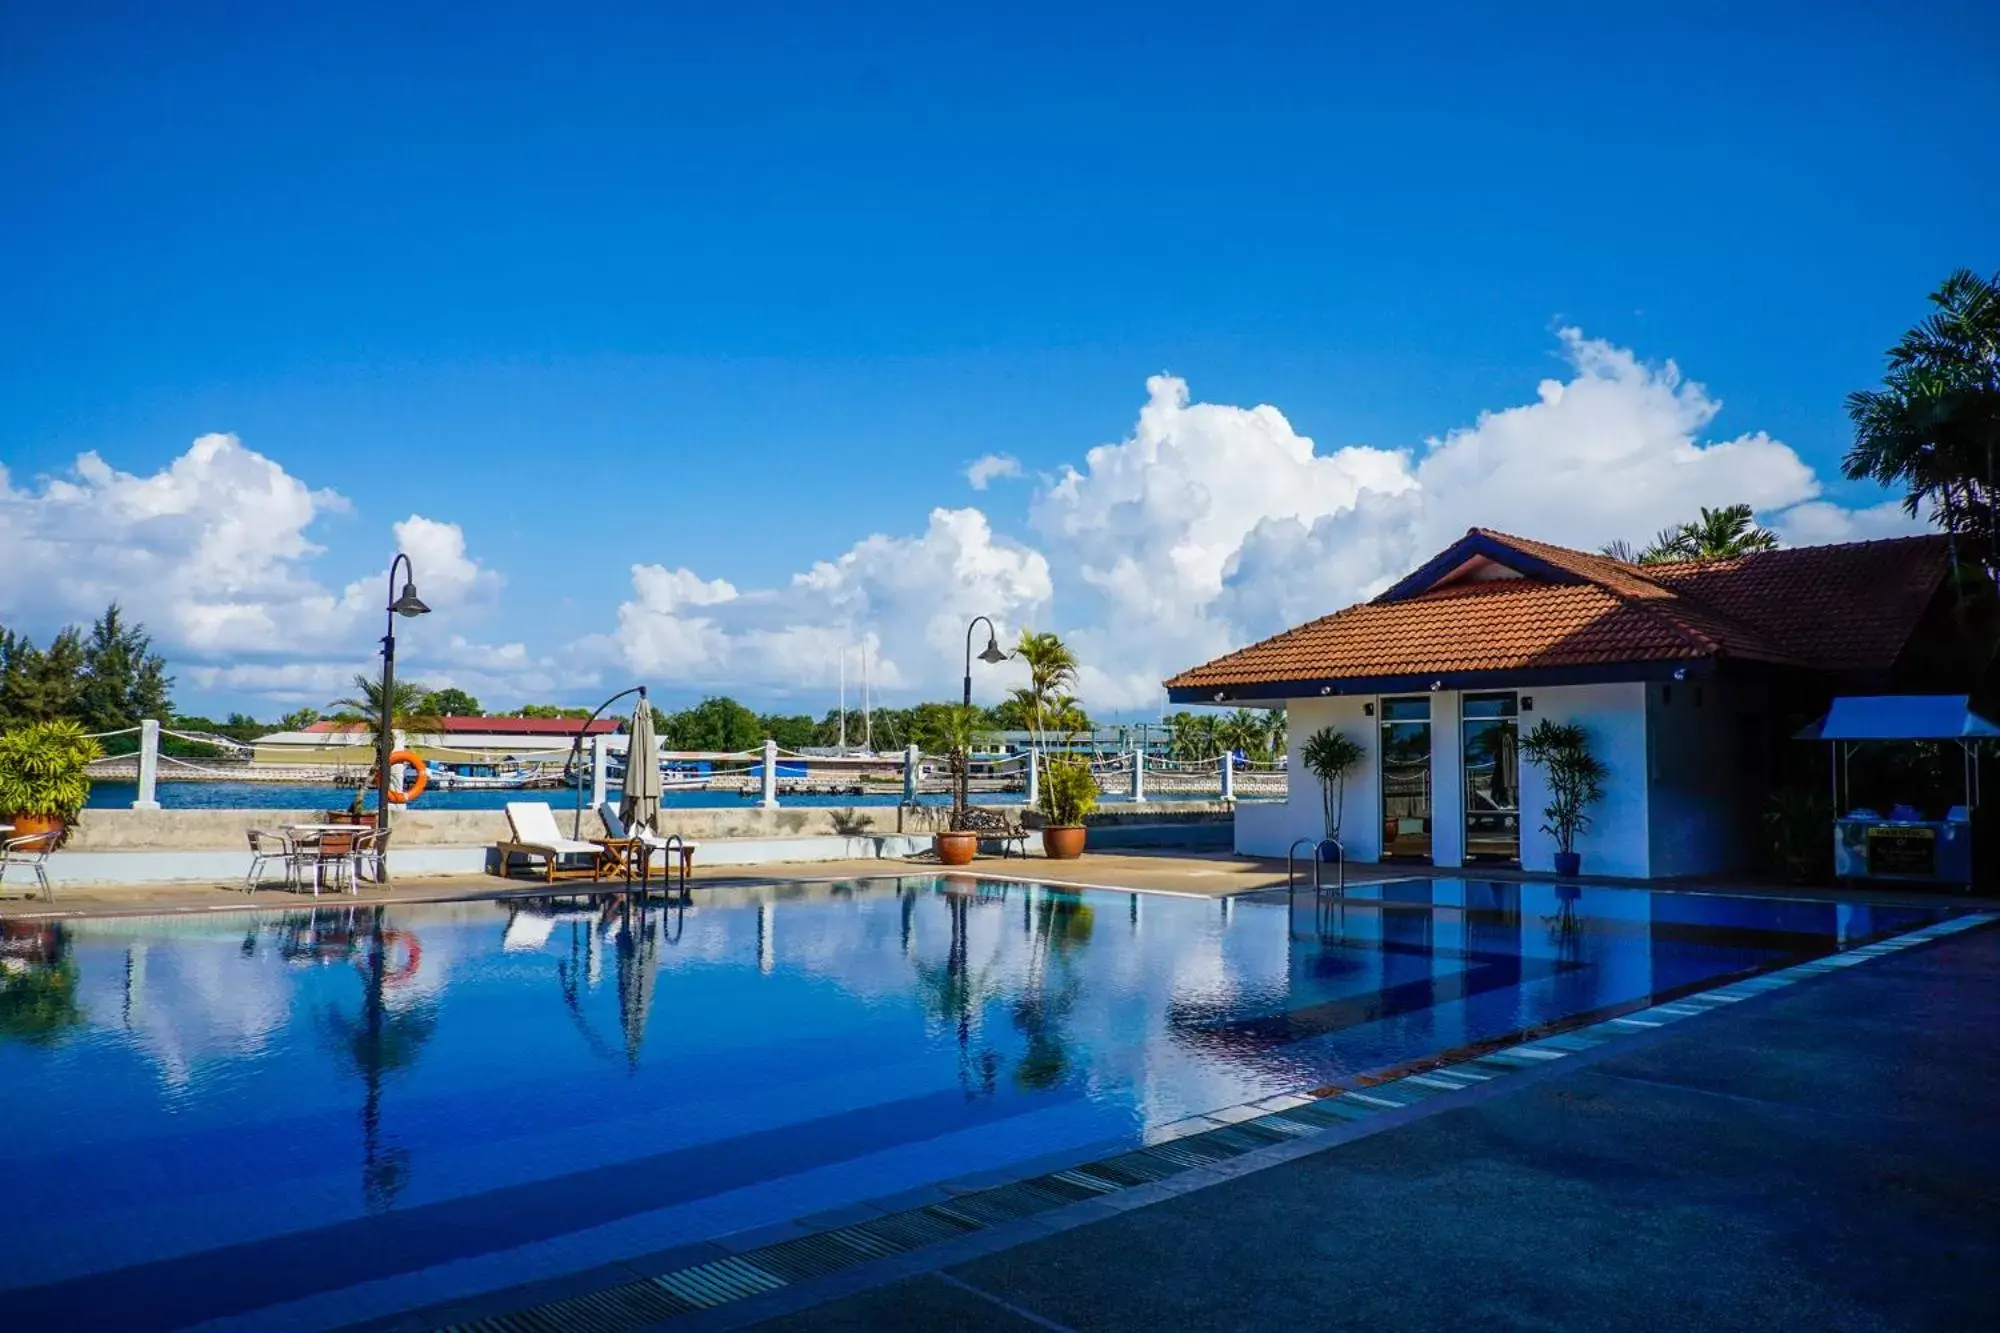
<point x="317" y="1116"/>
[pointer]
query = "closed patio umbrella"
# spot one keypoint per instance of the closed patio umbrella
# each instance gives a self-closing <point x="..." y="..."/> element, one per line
<point x="641" y="806"/>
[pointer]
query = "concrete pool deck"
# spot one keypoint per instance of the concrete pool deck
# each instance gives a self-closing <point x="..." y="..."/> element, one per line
<point x="1818" y="1157"/>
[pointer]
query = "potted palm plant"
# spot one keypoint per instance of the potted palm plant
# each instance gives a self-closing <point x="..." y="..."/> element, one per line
<point x="1069" y="794"/>
<point x="45" y="777"/>
<point x="1330" y="755"/>
<point x="1576" y="782"/>
<point x="958" y="842"/>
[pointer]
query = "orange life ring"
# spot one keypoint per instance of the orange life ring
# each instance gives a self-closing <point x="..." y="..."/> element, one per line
<point x="415" y="789"/>
<point x="413" y="957"/>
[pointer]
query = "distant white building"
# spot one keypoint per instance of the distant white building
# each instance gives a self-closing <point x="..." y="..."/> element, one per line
<point x="472" y="739"/>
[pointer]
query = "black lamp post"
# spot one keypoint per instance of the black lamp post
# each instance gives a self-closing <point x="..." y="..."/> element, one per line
<point x="408" y="604"/>
<point x="994" y="654"/>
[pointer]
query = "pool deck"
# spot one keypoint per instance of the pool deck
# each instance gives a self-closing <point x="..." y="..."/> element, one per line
<point x="1819" y="1157"/>
<point x="1194" y="873"/>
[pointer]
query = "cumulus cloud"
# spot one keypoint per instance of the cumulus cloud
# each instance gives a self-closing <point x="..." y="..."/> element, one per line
<point x="989" y="468"/>
<point x="1211" y="525"/>
<point x="215" y="553"/>
<point x="906" y="599"/>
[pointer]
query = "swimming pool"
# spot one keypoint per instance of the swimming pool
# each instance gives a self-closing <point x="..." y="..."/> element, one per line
<point x="312" y="1117"/>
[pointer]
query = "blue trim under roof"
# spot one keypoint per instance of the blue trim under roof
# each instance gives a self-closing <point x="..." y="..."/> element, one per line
<point x="1477" y="543"/>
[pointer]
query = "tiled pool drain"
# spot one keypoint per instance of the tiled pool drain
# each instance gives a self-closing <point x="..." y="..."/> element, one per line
<point x="1188" y="1145"/>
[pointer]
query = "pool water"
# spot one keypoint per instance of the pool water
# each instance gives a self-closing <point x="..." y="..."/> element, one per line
<point x="312" y="1117"/>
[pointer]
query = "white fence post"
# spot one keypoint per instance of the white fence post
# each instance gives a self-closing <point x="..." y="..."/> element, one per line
<point x="149" y="765"/>
<point x="913" y="767"/>
<point x="1034" y="779"/>
<point x="1139" y="774"/>
<point x="770" y="791"/>
<point x="1228" y="762"/>
<point x="600" y="770"/>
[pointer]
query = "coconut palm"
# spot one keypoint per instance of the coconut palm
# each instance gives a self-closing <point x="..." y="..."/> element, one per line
<point x="1192" y="737"/>
<point x="1243" y="730"/>
<point x="1718" y="534"/>
<point x="1933" y="429"/>
<point x="408" y="709"/>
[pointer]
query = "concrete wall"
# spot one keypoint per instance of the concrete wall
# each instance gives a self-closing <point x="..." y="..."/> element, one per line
<point x="1267" y="828"/>
<point x="1701" y="812"/>
<point x="1619" y="838"/>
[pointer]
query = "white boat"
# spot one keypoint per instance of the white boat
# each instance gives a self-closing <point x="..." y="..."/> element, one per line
<point x="486" y="777"/>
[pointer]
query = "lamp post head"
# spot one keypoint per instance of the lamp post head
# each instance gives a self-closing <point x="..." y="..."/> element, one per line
<point x="994" y="653"/>
<point x="409" y="604"/>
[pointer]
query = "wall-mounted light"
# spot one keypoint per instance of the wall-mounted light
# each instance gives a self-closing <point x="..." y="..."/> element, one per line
<point x="1680" y="673"/>
<point x="1221" y="697"/>
<point x="1368" y="710"/>
<point x="1527" y="703"/>
<point x="1437" y="684"/>
<point x="1326" y="689"/>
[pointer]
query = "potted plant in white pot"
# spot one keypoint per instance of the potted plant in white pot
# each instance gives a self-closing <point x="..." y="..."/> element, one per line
<point x="45" y="777"/>
<point x="1069" y="795"/>
<point x="1330" y="755"/>
<point x="1576" y="782"/>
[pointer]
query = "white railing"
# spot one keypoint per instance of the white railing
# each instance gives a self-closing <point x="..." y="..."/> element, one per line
<point x="768" y="771"/>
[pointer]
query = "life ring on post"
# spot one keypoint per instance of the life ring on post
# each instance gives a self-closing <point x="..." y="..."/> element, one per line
<point x="416" y="788"/>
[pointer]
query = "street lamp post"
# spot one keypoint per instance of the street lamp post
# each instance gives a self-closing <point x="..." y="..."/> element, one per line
<point x="994" y="654"/>
<point x="408" y="604"/>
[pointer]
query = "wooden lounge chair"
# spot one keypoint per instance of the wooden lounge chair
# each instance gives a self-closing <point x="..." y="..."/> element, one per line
<point x="537" y="837"/>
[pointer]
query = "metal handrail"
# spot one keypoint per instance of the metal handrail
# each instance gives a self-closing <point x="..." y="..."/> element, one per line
<point x="1292" y="867"/>
<point x="667" y="846"/>
<point x="1339" y="862"/>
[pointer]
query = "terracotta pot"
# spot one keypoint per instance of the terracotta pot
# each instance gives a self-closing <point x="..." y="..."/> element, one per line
<point x="955" y="849"/>
<point x="28" y="825"/>
<point x="1063" y="842"/>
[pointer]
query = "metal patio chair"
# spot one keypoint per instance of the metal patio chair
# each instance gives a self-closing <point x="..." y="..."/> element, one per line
<point x="266" y="847"/>
<point x="30" y="850"/>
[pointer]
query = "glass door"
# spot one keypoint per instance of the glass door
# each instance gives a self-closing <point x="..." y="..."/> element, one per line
<point x="1492" y="758"/>
<point x="1406" y="778"/>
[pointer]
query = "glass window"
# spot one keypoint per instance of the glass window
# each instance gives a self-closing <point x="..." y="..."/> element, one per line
<point x="1491" y="705"/>
<point x="1407" y="710"/>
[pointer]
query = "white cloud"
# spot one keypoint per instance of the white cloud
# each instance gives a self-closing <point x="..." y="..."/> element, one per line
<point x="214" y="553"/>
<point x="989" y="468"/>
<point x="1212" y="526"/>
<point x="1817" y="522"/>
<point x="907" y="599"/>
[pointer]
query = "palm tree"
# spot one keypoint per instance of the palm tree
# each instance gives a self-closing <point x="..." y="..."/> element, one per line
<point x="407" y="710"/>
<point x="1933" y="429"/>
<point x="1717" y="535"/>
<point x="1192" y="736"/>
<point x="1244" y="730"/>
<point x="1047" y="701"/>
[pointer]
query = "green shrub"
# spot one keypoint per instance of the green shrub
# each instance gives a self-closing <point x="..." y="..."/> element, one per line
<point x="1069" y="790"/>
<point x="45" y="769"/>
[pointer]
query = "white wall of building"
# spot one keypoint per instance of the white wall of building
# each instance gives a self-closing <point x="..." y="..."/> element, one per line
<point x="1267" y="828"/>
<point x="1619" y="837"/>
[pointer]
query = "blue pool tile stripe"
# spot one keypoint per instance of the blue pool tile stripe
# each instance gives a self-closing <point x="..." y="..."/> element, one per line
<point x="1191" y="1145"/>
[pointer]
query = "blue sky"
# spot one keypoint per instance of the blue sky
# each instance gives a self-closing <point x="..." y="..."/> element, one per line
<point x="730" y="290"/>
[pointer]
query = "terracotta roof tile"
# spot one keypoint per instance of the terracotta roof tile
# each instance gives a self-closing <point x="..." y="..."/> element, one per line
<point x="1831" y="607"/>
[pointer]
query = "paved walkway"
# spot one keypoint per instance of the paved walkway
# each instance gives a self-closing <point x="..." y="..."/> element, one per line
<point x="1821" y="1158"/>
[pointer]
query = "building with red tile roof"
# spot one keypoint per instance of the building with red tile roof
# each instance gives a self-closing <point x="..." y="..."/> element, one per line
<point x="1685" y="675"/>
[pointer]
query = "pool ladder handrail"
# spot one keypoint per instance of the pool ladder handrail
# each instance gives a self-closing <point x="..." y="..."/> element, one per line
<point x="668" y="846"/>
<point x="1339" y="862"/>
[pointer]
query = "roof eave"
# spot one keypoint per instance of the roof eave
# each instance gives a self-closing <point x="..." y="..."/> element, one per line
<point x="1423" y="682"/>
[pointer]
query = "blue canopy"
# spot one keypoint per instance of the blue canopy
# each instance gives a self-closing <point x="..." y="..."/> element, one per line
<point x="1901" y="717"/>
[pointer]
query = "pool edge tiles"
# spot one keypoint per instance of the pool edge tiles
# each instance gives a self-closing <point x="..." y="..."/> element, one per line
<point x="1191" y="1152"/>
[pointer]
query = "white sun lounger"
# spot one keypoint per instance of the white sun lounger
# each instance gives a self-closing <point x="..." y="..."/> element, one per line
<point x="537" y="837"/>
